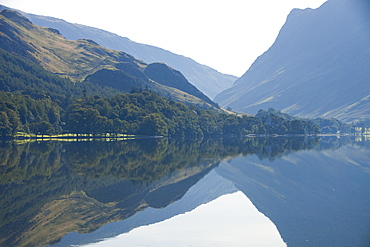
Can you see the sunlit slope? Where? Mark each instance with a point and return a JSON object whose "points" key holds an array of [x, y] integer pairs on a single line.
{"points": [[206, 79], [318, 66], [81, 59]]}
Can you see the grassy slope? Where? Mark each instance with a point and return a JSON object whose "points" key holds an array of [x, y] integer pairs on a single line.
{"points": [[78, 59]]}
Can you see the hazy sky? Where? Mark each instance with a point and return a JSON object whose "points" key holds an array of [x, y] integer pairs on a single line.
{"points": [[225, 35]]}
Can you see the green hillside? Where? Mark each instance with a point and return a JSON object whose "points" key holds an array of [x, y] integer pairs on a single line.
{"points": [[77, 60], [201, 76]]}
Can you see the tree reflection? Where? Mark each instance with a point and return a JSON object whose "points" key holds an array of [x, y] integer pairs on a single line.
{"points": [[80, 186]]}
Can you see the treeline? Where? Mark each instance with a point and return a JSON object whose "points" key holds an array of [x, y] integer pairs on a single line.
{"points": [[140, 113], [147, 113], [277, 122], [35, 101]]}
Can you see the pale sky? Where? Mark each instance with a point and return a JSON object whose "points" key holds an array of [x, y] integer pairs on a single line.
{"points": [[225, 35]]}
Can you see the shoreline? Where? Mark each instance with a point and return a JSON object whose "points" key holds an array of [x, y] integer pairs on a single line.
{"points": [[124, 137]]}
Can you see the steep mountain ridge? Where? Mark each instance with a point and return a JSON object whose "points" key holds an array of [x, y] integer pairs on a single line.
{"points": [[84, 59], [206, 79], [317, 67]]}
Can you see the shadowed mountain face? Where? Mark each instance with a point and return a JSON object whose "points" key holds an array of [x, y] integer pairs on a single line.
{"points": [[85, 60], [318, 66], [206, 79]]}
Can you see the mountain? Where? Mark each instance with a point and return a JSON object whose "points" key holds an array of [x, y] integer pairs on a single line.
{"points": [[317, 67], [206, 79], [85, 61]]}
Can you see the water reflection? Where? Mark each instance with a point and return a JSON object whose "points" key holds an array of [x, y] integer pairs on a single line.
{"points": [[50, 189], [314, 198], [230, 220]]}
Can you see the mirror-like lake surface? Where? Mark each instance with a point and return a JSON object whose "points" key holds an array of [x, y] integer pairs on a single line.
{"points": [[280, 191]]}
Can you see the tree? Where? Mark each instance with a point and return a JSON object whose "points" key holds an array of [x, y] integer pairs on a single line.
{"points": [[154, 125], [119, 126], [297, 127], [5, 125], [83, 121], [42, 128], [13, 119]]}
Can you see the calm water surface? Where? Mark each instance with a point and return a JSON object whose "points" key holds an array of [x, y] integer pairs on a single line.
{"points": [[160, 192]]}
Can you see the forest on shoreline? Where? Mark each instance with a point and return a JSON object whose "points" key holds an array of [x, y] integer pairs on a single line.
{"points": [[35, 101], [144, 113]]}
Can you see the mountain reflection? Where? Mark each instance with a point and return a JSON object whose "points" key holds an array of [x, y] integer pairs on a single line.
{"points": [[315, 198], [49, 189]]}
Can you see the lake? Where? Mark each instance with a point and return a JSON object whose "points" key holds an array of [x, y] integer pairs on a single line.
{"points": [[276, 191]]}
